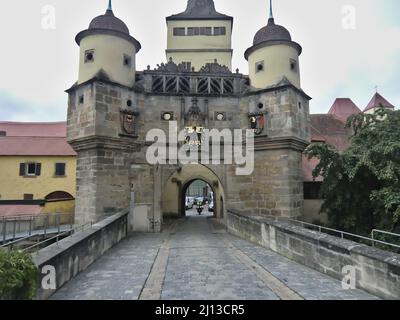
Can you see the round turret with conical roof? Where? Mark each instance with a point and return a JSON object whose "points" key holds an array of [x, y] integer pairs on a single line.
{"points": [[273, 56], [107, 48]]}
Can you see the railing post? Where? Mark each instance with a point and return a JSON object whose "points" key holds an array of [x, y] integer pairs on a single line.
{"points": [[4, 229], [14, 229], [30, 226], [58, 223]]}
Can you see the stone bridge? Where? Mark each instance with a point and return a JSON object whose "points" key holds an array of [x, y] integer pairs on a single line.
{"points": [[195, 258]]}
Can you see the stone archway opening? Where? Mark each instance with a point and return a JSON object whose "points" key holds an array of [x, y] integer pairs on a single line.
{"points": [[175, 190], [198, 199]]}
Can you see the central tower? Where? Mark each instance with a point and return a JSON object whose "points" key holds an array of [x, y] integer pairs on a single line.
{"points": [[200, 35]]}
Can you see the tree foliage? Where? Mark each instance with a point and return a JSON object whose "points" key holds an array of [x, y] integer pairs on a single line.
{"points": [[362, 184], [18, 275]]}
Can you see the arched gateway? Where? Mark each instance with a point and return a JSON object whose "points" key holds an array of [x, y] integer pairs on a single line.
{"points": [[174, 190], [113, 107]]}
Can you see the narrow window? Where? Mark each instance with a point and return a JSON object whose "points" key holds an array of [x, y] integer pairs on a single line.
{"points": [[293, 65], [89, 56], [219, 31], [60, 170], [205, 31], [127, 61], [30, 169], [81, 99], [179, 32], [193, 31], [187, 65]]}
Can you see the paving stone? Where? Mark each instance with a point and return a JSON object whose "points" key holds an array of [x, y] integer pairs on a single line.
{"points": [[201, 265]]}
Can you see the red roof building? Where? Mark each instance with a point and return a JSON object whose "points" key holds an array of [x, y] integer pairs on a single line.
{"points": [[343, 108], [376, 101]]}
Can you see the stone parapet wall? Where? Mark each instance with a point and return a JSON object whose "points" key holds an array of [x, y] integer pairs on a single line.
{"points": [[377, 271], [76, 253]]}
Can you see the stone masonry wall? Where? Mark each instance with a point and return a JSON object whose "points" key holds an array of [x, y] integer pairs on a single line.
{"points": [[376, 271]]}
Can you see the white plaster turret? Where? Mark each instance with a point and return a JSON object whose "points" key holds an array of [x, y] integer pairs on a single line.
{"points": [[107, 48]]}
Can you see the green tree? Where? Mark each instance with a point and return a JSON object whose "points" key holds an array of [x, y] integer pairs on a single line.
{"points": [[18, 275], [361, 188]]}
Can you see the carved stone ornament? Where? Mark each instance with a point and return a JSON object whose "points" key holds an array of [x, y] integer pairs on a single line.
{"points": [[257, 122], [129, 122], [171, 67], [194, 117], [215, 68]]}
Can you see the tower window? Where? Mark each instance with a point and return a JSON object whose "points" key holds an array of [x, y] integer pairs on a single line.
{"points": [[219, 31], [127, 61], [260, 106], [81, 99], [293, 65], [187, 65], [89, 56], [193, 31], [206, 31], [179, 31], [259, 66], [129, 103]]}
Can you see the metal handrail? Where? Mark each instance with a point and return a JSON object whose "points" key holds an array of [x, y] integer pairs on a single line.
{"points": [[12, 243], [57, 237], [44, 218], [30, 217], [343, 233], [383, 232]]}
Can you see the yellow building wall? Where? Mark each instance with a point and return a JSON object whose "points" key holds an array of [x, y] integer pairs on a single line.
{"points": [[108, 55], [205, 43], [276, 60], [66, 208], [13, 186]]}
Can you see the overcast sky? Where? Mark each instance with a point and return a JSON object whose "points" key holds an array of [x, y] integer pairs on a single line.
{"points": [[38, 64]]}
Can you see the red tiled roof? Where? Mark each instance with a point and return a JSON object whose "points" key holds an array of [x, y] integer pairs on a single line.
{"points": [[16, 210], [35, 146], [326, 128], [343, 108], [34, 129], [376, 101]]}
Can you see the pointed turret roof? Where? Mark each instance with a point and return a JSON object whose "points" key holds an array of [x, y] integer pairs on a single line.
{"points": [[343, 108], [272, 34], [108, 23], [200, 10], [378, 100]]}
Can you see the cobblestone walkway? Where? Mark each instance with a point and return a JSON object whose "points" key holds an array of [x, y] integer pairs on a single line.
{"points": [[196, 260]]}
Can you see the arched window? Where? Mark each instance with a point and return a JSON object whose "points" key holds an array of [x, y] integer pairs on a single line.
{"points": [[59, 195]]}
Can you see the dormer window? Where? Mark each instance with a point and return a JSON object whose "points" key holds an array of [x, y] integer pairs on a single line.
{"points": [[89, 56]]}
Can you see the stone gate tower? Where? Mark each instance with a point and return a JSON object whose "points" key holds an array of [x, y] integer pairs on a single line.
{"points": [[113, 106]]}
